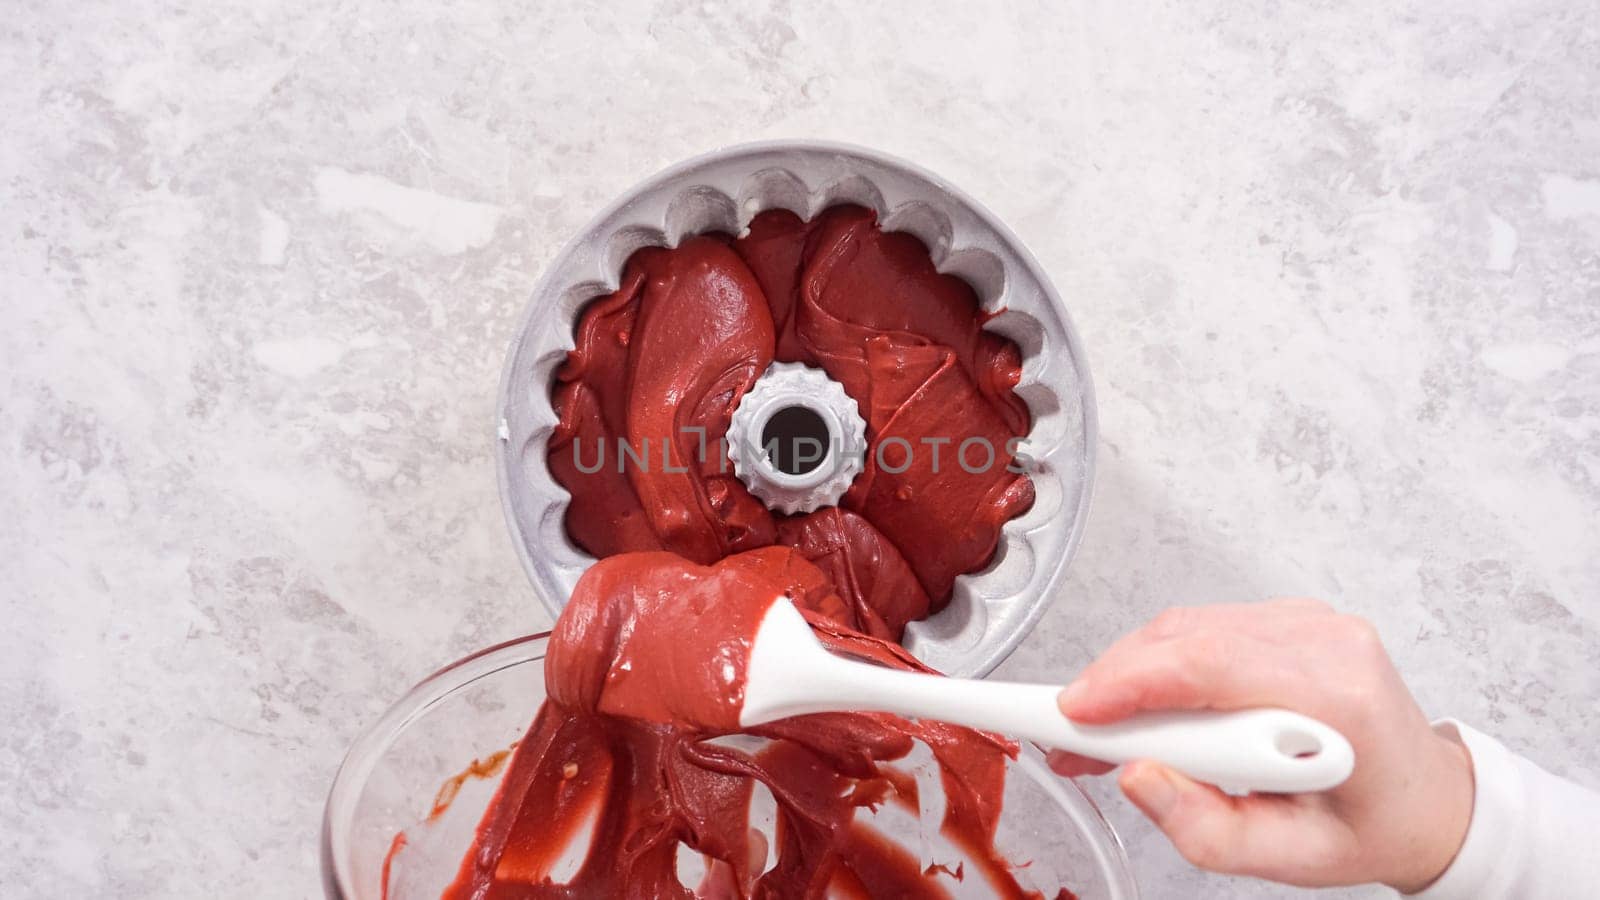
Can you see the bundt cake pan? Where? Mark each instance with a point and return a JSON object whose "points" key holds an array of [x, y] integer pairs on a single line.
{"points": [[991, 610]]}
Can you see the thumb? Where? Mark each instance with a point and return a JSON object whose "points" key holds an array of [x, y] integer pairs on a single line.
{"points": [[1286, 838]]}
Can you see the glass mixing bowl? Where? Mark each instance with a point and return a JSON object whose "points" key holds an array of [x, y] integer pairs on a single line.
{"points": [[414, 785]]}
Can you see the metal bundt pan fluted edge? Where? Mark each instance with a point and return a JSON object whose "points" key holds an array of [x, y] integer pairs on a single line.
{"points": [[991, 610]]}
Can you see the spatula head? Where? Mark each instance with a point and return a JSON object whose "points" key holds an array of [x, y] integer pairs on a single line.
{"points": [[789, 669]]}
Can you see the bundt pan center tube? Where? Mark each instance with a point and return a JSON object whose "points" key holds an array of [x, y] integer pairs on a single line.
{"points": [[990, 610], [796, 439]]}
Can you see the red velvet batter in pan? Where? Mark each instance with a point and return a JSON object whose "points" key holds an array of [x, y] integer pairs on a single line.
{"points": [[662, 362]]}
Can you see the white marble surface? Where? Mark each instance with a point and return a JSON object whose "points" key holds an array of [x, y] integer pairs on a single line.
{"points": [[1336, 267]]}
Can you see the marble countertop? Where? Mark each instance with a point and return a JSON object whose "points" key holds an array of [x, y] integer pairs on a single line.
{"points": [[1337, 269]]}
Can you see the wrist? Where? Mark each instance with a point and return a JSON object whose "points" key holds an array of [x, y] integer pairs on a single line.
{"points": [[1449, 795]]}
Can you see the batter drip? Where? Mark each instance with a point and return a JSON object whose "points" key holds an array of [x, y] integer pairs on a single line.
{"points": [[646, 663]]}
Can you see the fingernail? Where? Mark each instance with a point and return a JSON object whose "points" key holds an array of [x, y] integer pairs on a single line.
{"points": [[1152, 791], [1073, 694]]}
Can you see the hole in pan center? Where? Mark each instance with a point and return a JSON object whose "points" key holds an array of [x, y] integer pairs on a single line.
{"points": [[796, 439]]}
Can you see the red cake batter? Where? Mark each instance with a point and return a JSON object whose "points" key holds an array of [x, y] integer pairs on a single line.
{"points": [[646, 663], [661, 363]]}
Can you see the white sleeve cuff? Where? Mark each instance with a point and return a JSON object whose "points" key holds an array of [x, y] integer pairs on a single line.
{"points": [[1532, 833], [1490, 858]]}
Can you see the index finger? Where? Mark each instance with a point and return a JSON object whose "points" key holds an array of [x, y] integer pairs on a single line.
{"points": [[1263, 619], [1200, 670]]}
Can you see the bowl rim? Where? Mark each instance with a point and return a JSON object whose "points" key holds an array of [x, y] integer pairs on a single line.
{"points": [[991, 656], [359, 761]]}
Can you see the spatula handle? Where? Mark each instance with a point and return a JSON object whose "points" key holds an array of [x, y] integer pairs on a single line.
{"points": [[1266, 750]]}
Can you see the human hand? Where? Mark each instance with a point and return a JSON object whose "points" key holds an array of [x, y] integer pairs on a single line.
{"points": [[1399, 819]]}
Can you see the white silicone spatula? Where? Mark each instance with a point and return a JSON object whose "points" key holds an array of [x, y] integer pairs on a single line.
{"points": [[1268, 750]]}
